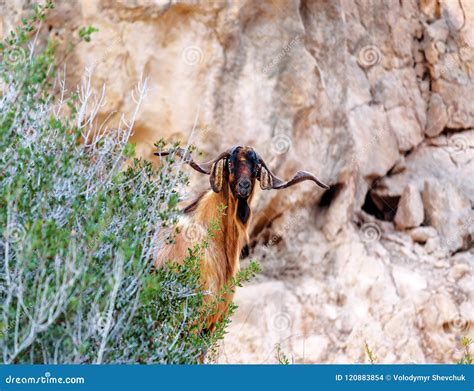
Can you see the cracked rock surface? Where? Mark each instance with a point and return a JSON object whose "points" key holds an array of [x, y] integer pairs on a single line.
{"points": [[374, 98]]}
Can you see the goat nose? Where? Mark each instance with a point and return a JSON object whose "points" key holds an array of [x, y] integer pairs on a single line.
{"points": [[244, 186]]}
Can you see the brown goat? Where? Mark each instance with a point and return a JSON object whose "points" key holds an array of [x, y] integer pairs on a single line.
{"points": [[232, 177]]}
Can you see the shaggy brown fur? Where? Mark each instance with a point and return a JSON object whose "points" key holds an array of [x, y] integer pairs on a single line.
{"points": [[221, 258]]}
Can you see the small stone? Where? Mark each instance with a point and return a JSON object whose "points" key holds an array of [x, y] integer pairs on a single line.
{"points": [[446, 209], [458, 271], [410, 209], [405, 126], [430, 8], [437, 116], [422, 234], [441, 265]]}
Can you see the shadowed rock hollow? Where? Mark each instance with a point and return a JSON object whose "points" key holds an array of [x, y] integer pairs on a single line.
{"points": [[373, 97]]}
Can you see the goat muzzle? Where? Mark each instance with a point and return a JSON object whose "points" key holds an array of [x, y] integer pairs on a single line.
{"points": [[244, 187]]}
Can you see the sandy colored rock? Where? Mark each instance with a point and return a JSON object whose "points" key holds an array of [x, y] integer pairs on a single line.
{"points": [[437, 116], [422, 234], [430, 8], [458, 271], [449, 211], [410, 212]]}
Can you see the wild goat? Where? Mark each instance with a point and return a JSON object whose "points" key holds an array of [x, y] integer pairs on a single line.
{"points": [[232, 177]]}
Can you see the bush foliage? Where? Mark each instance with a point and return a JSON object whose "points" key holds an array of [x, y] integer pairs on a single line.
{"points": [[81, 220]]}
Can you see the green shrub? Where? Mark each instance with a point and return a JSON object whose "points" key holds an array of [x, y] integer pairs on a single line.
{"points": [[79, 232], [466, 343]]}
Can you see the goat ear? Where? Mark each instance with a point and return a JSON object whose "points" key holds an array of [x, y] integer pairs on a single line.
{"points": [[217, 174], [266, 182]]}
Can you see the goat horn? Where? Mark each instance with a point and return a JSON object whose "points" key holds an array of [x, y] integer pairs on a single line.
{"points": [[300, 176], [203, 168], [277, 183]]}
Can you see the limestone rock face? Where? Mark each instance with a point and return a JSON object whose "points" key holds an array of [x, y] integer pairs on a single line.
{"points": [[370, 96]]}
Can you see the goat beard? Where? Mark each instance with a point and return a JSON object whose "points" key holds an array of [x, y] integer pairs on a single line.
{"points": [[243, 210]]}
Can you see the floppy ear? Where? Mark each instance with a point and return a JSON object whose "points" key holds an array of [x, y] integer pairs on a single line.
{"points": [[217, 174], [265, 178]]}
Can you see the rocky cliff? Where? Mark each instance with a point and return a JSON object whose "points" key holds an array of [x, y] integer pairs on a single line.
{"points": [[376, 98]]}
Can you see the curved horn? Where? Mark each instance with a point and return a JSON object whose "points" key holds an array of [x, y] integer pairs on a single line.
{"points": [[185, 155], [268, 180]]}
